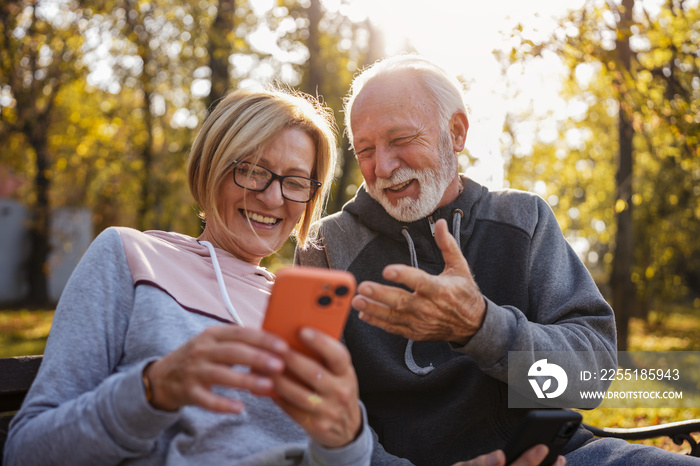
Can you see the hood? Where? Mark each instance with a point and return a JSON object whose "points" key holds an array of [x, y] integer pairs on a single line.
{"points": [[372, 215], [193, 276]]}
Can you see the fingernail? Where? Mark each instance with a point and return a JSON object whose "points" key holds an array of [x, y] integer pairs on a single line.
{"points": [[263, 384], [279, 346], [307, 333], [236, 406], [359, 303], [389, 273], [274, 364], [367, 290], [493, 459]]}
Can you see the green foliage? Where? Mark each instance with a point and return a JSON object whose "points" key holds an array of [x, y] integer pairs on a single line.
{"points": [[333, 49], [661, 96], [123, 86]]}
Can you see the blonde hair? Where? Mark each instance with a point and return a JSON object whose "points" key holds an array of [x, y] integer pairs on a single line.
{"points": [[445, 90], [241, 126]]}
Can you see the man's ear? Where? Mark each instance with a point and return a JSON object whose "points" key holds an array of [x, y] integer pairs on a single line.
{"points": [[459, 125]]}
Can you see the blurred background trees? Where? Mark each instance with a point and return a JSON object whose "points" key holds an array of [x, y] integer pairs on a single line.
{"points": [[100, 100], [623, 171]]}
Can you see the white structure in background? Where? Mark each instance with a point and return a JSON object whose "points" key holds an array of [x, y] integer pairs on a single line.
{"points": [[71, 234], [14, 249]]}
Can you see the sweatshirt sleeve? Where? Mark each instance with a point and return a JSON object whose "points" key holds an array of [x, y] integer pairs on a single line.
{"points": [[79, 410], [380, 457], [356, 453], [567, 311]]}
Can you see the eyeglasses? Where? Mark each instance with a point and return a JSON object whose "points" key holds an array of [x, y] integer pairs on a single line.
{"points": [[258, 179]]}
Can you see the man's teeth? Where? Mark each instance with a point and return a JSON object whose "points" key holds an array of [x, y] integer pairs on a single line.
{"points": [[261, 219], [400, 186]]}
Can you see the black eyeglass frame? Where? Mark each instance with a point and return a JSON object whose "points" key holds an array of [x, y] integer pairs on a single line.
{"points": [[315, 184]]}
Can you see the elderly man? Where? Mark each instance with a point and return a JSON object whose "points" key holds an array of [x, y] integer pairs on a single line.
{"points": [[479, 273]]}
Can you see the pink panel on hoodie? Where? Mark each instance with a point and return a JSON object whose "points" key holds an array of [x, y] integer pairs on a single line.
{"points": [[180, 266]]}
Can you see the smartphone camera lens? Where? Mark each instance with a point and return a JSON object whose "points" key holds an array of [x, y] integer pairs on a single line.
{"points": [[342, 290], [324, 300]]}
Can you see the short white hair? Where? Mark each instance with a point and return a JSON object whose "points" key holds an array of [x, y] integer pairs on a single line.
{"points": [[445, 90]]}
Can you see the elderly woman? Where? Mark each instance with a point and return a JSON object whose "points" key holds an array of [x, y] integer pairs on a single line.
{"points": [[156, 354]]}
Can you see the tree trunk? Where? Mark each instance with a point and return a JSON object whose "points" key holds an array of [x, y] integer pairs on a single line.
{"points": [[339, 195], [623, 290], [146, 198], [37, 269], [219, 48], [315, 64]]}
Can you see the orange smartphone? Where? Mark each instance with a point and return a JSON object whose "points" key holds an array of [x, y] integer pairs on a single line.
{"points": [[309, 297]]}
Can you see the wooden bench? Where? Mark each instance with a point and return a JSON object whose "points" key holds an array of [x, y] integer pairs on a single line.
{"points": [[679, 432], [17, 374]]}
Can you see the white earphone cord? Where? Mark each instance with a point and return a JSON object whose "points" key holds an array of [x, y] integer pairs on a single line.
{"points": [[222, 286]]}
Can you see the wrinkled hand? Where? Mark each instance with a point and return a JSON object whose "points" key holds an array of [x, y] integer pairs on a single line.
{"points": [[321, 395], [532, 457], [186, 375], [446, 307]]}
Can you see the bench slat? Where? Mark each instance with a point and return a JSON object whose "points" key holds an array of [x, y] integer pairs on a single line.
{"points": [[16, 376]]}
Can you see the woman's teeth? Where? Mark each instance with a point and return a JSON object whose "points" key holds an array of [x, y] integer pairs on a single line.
{"points": [[261, 219], [400, 186]]}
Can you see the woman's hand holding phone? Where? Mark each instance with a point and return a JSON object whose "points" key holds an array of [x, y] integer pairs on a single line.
{"points": [[321, 393], [185, 376], [308, 307]]}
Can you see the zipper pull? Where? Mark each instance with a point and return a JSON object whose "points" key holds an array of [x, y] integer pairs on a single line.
{"points": [[432, 224]]}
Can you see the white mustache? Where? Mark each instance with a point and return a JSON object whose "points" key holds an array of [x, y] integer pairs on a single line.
{"points": [[400, 176]]}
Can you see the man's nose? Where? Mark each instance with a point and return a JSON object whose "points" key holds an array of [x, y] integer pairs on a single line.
{"points": [[385, 163]]}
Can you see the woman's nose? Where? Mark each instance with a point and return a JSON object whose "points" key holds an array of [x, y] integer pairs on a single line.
{"points": [[272, 195]]}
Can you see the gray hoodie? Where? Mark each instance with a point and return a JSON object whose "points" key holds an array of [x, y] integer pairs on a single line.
{"points": [[87, 405], [434, 403]]}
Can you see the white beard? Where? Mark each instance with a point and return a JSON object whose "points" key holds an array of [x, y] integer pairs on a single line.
{"points": [[433, 183]]}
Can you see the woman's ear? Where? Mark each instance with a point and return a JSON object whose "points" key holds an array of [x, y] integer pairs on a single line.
{"points": [[459, 125]]}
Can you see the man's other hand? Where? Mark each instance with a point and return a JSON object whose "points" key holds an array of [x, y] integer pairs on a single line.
{"points": [[445, 307], [532, 457]]}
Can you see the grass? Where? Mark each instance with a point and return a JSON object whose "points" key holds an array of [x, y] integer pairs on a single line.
{"points": [[677, 330], [24, 332]]}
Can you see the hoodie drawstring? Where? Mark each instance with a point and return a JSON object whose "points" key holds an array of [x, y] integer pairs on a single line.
{"points": [[411, 247], [408, 354], [457, 226], [222, 286]]}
